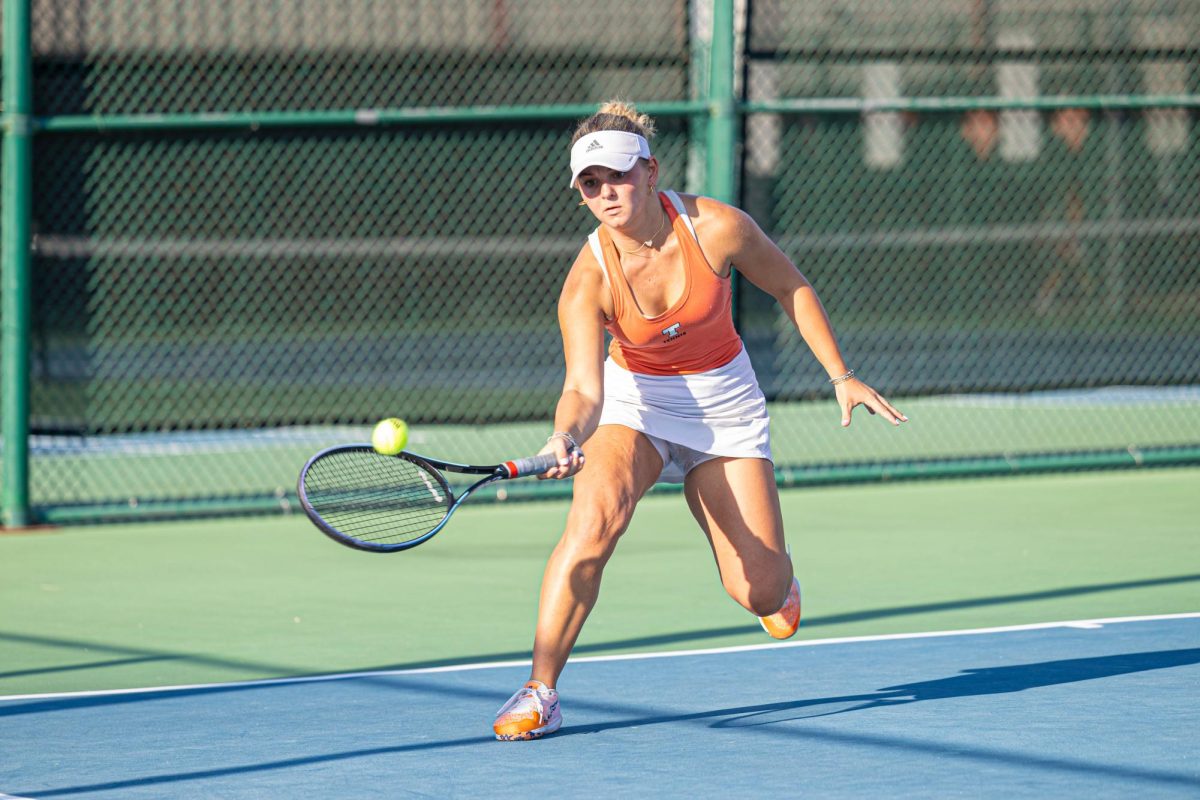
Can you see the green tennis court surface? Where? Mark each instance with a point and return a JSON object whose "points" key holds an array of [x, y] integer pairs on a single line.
{"points": [[196, 602]]}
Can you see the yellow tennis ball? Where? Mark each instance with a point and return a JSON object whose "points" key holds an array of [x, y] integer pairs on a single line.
{"points": [[390, 436]]}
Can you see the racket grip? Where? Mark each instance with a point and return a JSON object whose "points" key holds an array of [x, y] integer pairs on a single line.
{"points": [[533, 465]]}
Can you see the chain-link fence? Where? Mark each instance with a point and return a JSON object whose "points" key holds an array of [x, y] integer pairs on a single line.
{"points": [[259, 227]]}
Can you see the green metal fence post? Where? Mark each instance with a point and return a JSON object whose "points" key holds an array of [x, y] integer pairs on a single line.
{"points": [[720, 172], [16, 198], [722, 124]]}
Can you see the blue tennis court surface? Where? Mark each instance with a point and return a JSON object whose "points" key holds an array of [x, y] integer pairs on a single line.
{"points": [[1105, 708]]}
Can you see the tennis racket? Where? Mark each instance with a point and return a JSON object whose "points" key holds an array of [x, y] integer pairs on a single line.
{"points": [[370, 501]]}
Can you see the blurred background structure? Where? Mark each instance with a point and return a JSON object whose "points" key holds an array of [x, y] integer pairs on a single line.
{"points": [[236, 232]]}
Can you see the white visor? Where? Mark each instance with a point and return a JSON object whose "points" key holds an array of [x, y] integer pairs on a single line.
{"points": [[613, 149]]}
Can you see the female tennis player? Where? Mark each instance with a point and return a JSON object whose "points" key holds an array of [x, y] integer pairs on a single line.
{"points": [[675, 400]]}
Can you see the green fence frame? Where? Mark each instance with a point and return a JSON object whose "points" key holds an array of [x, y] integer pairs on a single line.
{"points": [[717, 117], [17, 194]]}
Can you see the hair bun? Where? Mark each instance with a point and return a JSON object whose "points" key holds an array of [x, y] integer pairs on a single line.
{"points": [[622, 108]]}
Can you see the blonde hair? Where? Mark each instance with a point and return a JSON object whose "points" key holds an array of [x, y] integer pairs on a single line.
{"points": [[616, 115]]}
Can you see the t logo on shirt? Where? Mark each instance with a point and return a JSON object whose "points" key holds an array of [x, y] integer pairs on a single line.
{"points": [[672, 331]]}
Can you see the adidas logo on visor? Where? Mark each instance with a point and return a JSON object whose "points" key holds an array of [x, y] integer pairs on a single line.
{"points": [[595, 145]]}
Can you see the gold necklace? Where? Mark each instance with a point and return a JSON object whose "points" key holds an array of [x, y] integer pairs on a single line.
{"points": [[648, 242]]}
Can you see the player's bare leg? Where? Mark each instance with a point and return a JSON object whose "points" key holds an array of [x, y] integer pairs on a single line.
{"points": [[736, 503], [621, 466]]}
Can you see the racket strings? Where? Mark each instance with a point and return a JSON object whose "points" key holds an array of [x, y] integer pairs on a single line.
{"points": [[377, 499]]}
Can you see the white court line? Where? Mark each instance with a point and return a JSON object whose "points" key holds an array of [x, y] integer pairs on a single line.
{"points": [[343, 676]]}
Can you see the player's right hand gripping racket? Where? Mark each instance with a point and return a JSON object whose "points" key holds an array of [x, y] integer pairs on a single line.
{"points": [[370, 501]]}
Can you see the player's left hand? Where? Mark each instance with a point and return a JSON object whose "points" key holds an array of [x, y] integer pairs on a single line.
{"points": [[853, 393]]}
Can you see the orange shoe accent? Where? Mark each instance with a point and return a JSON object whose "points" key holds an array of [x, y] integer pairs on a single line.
{"points": [[784, 622]]}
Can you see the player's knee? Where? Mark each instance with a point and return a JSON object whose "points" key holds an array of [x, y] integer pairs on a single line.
{"points": [[595, 527], [764, 603], [761, 595]]}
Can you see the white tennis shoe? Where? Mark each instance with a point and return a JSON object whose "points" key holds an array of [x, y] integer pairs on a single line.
{"points": [[531, 713]]}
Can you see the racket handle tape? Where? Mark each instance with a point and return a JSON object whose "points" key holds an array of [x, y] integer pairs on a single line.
{"points": [[533, 465]]}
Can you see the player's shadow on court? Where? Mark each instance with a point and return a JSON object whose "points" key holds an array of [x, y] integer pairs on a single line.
{"points": [[969, 683]]}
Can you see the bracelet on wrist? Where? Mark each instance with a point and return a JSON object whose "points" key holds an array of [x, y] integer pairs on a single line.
{"points": [[574, 445], [842, 378]]}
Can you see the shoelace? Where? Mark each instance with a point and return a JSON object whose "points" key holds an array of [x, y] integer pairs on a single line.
{"points": [[523, 694]]}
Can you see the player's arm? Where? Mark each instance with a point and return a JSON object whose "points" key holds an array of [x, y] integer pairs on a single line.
{"points": [[766, 266], [581, 321], [756, 256]]}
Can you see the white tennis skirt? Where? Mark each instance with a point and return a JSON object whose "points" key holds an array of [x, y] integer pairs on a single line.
{"points": [[691, 418]]}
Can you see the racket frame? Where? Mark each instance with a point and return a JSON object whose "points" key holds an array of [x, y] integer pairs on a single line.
{"points": [[492, 473]]}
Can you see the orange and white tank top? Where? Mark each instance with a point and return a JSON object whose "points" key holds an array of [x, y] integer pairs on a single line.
{"points": [[695, 334]]}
